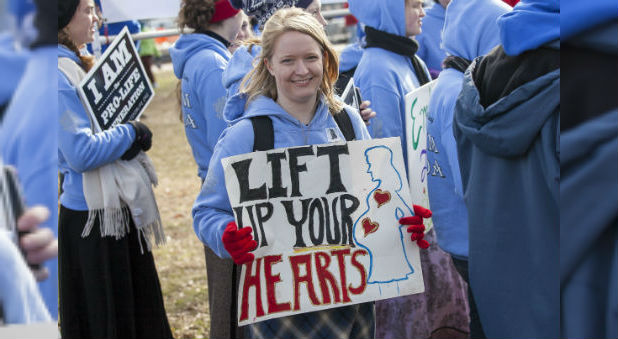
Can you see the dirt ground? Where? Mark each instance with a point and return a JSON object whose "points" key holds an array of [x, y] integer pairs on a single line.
{"points": [[180, 262]]}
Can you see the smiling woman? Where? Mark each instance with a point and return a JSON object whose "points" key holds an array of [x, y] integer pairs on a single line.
{"points": [[292, 88]]}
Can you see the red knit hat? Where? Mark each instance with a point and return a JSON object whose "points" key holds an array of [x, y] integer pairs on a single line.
{"points": [[223, 10]]}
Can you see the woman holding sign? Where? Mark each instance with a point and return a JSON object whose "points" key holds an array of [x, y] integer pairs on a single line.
{"points": [[291, 89], [109, 286]]}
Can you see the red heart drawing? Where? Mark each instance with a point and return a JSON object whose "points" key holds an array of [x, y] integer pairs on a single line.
{"points": [[369, 226], [381, 197]]}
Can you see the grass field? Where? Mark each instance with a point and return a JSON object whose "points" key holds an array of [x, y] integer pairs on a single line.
{"points": [[180, 262]]}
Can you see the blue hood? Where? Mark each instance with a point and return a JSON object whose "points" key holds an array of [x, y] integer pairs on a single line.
{"points": [[500, 134], [531, 24], [470, 27], [578, 16], [239, 65], [188, 45], [350, 56], [385, 15]]}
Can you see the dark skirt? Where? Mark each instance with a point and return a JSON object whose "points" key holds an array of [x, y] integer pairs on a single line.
{"points": [[108, 288]]}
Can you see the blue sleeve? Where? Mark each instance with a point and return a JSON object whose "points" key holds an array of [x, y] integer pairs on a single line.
{"points": [[212, 210], [448, 141], [82, 149], [21, 300], [387, 105]]}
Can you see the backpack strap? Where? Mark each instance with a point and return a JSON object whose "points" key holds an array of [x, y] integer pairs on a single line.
{"points": [[345, 125], [263, 133]]}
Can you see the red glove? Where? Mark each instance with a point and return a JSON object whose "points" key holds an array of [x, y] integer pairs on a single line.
{"points": [[239, 243], [416, 226]]}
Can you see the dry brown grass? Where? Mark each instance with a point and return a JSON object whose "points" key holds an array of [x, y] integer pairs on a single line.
{"points": [[180, 262]]}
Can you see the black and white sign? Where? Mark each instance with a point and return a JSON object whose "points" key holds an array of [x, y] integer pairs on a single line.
{"points": [[117, 89]]}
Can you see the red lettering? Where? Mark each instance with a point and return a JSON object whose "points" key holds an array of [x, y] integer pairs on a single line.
{"points": [[252, 280], [340, 254], [322, 261], [271, 280], [363, 283], [296, 261]]}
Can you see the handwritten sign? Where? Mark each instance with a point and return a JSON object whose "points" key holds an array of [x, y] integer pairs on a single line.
{"points": [[116, 89], [417, 102], [325, 218]]}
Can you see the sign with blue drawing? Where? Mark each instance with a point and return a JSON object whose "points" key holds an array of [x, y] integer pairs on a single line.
{"points": [[326, 220], [417, 103]]}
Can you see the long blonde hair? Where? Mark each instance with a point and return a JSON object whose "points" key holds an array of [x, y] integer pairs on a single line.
{"points": [[260, 82]]}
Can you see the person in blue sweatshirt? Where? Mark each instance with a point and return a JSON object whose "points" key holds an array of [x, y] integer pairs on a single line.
{"points": [[589, 170], [506, 125], [430, 48], [470, 30], [199, 59], [29, 144], [109, 286], [389, 69], [300, 115]]}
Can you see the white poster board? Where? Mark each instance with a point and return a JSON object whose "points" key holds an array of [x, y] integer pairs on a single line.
{"points": [[325, 218], [123, 10], [417, 103], [116, 89]]}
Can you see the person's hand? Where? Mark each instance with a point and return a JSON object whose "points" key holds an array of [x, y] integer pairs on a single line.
{"points": [[415, 225], [142, 142], [239, 243], [38, 244], [366, 112]]}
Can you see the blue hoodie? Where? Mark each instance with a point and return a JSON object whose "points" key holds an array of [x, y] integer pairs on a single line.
{"points": [[531, 24], [508, 157], [384, 77], [429, 48], [239, 65], [470, 30], [589, 172], [577, 16], [79, 150], [212, 210], [199, 61], [29, 144]]}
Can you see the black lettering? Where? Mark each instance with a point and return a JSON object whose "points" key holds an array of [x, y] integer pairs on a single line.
{"points": [[297, 224], [346, 219], [333, 153], [295, 168], [332, 239], [256, 235], [242, 173], [262, 217], [277, 190], [316, 205]]}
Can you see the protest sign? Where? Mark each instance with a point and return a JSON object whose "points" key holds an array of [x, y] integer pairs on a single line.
{"points": [[116, 89], [417, 103], [123, 10], [325, 218]]}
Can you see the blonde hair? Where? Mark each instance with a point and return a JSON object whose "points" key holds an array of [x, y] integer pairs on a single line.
{"points": [[260, 82]]}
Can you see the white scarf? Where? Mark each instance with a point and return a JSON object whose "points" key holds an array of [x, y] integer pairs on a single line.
{"points": [[118, 185]]}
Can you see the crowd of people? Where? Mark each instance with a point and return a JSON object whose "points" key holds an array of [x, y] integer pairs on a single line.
{"points": [[522, 190]]}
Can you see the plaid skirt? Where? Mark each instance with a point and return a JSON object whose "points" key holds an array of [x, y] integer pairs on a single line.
{"points": [[353, 322]]}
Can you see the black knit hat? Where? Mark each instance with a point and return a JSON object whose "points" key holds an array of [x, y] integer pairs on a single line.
{"points": [[262, 10], [66, 9]]}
